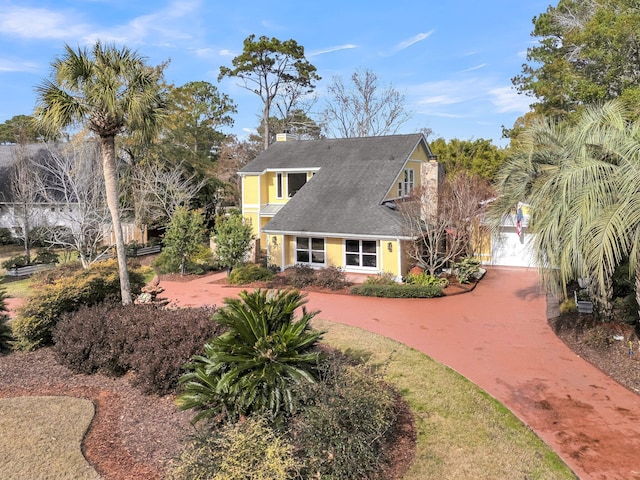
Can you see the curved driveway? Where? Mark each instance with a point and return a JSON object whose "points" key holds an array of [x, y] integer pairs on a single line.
{"points": [[499, 338]]}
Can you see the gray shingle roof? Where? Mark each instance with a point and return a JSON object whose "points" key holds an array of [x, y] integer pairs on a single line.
{"points": [[345, 196]]}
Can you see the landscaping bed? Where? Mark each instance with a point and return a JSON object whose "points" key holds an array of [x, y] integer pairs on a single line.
{"points": [[135, 436], [594, 341]]}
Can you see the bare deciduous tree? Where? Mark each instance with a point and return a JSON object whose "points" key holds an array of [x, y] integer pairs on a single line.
{"points": [[365, 109], [158, 191], [24, 197], [443, 220], [71, 182]]}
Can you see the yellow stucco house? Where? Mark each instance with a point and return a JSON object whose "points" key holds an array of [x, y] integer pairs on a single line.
{"points": [[332, 202]]}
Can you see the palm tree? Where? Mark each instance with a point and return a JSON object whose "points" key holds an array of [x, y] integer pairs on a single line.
{"points": [[109, 91], [253, 367], [581, 182]]}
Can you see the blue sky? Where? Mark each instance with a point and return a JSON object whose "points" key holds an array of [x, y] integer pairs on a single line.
{"points": [[452, 60]]}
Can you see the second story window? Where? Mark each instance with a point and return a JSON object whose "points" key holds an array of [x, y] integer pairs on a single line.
{"points": [[406, 183], [278, 185], [295, 182]]}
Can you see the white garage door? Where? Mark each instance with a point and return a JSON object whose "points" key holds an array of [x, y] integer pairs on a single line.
{"points": [[509, 249]]}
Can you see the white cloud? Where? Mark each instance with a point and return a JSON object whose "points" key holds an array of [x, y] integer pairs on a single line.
{"points": [[439, 100], [508, 100], [412, 41], [162, 26], [477, 67], [16, 66], [40, 23], [348, 46]]}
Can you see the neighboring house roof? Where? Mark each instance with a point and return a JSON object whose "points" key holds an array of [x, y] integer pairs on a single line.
{"points": [[345, 197]]}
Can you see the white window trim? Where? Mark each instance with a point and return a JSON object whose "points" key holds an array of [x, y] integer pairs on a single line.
{"points": [[354, 268], [310, 250]]}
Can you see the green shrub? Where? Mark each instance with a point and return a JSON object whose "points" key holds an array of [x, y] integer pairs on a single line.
{"points": [[199, 261], [398, 291], [246, 450], [425, 280], [466, 269], [32, 327], [6, 236], [342, 424], [5, 330], [114, 339], [248, 274], [332, 278], [16, 261], [568, 306], [166, 262], [132, 247], [626, 308], [253, 367], [300, 276], [45, 256], [384, 278]]}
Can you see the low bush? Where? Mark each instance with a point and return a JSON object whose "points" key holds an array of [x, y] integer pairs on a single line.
{"points": [[568, 306], [45, 256], [597, 337], [201, 260], [245, 450], [16, 261], [5, 330], [332, 278], [398, 291], [92, 339], [300, 276], [383, 278], [626, 308], [340, 429], [6, 236], [248, 274], [425, 280], [113, 339], [32, 328], [466, 269]]}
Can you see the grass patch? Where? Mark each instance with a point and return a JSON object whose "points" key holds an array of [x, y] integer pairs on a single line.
{"points": [[462, 432], [41, 437], [17, 288]]}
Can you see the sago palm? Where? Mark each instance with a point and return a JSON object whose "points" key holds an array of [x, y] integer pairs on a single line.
{"points": [[253, 367], [109, 91]]}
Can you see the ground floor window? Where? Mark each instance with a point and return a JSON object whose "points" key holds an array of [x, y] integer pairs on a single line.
{"points": [[361, 253], [310, 250]]}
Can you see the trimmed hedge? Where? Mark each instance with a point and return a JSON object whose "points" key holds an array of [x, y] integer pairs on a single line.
{"points": [[398, 291], [32, 328]]}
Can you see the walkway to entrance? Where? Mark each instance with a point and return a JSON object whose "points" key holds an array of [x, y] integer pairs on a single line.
{"points": [[499, 338]]}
